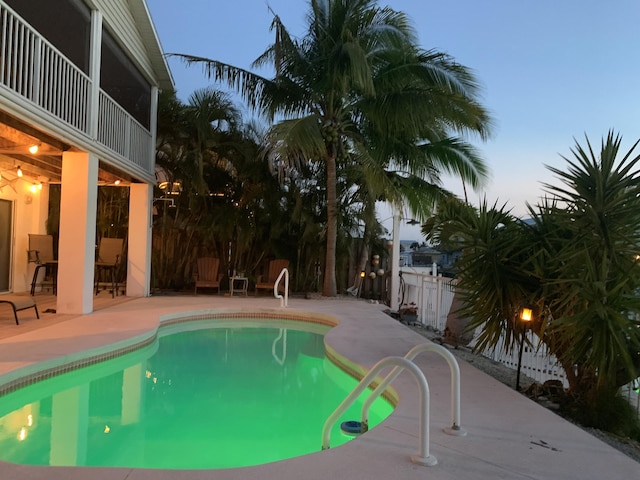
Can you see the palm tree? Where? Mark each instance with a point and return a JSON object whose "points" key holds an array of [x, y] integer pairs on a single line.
{"points": [[358, 83]]}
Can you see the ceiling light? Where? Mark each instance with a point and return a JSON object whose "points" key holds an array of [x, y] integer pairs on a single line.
{"points": [[19, 171], [117, 182], [33, 149]]}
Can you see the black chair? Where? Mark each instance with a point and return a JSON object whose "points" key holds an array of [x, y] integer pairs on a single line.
{"points": [[109, 258]]}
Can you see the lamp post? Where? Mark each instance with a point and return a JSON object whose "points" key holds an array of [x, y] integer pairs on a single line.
{"points": [[525, 315]]}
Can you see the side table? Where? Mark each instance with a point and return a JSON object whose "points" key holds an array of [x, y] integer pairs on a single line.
{"points": [[243, 285]]}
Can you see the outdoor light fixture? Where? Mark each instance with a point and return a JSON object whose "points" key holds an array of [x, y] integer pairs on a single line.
{"points": [[525, 315], [117, 182], [362, 274], [171, 188], [33, 149], [19, 171]]}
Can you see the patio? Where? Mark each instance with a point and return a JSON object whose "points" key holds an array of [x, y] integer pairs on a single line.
{"points": [[508, 435]]}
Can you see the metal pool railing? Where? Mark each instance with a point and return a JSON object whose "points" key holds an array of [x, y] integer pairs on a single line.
{"points": [[400, 364]]}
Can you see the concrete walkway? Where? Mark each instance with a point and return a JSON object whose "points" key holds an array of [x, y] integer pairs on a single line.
{"points": [[508, 436]]}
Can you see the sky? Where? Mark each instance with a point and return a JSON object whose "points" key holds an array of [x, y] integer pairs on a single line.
{"points": [[552, 73]]}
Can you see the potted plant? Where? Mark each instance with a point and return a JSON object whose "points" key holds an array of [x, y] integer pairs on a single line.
{"points": [[409, 313]]}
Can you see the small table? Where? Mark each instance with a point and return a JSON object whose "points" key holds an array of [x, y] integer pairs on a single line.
{"points": [[243, 284]]}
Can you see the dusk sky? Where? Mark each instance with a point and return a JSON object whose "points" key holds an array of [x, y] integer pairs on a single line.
{"points": [[551, 71]]}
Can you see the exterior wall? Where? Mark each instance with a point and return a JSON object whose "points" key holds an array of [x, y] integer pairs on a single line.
{"points": [[119, 19], [29, 216], [128, 23]]}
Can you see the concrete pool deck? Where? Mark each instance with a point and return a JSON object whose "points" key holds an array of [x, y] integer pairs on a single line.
{"points": [[508, 437]]}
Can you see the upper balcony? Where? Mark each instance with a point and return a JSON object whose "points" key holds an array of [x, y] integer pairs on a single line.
{"points": [[37, 77]]}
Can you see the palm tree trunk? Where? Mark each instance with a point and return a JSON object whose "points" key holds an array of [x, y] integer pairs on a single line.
{"points": [[329, 288]]}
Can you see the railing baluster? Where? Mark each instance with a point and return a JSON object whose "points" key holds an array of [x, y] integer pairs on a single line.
{"points": [[34, 69]]}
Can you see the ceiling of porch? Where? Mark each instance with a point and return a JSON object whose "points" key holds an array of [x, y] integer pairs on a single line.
{"points": [[45, 165]]}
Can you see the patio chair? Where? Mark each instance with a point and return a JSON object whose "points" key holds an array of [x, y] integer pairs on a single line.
{"points": [[18, 303], [40, 252], [275, 267], [206, 273], [109, 258]]}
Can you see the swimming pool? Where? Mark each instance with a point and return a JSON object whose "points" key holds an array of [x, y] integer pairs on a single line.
{"points": [[203, 394]]}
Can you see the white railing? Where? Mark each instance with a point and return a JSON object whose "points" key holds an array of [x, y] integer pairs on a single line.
{"points": [[284, 301], [433, 295], [423, 457], [455, 428], [34, 69], [120, 132], [537, 363]]}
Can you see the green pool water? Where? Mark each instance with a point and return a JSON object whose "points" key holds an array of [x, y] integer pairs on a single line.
{"points": [[203, 398]]}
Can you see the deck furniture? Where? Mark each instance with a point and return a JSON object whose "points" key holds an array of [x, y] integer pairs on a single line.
{"points": [[206, 273], [275, 267], [41, 253], [242, 285], [18, 303], [108, 261]]}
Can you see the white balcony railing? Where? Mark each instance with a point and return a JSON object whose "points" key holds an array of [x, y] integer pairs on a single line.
{"points": [[34, 69], [120, 132]]}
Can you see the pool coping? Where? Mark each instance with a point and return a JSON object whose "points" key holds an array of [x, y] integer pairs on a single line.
{"points": [[509, 436]]}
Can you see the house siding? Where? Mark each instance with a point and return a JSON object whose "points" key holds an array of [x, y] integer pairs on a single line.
{"points": [[118, 18]]}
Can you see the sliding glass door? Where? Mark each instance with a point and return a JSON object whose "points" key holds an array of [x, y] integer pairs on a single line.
{"points": [[6, 229]]}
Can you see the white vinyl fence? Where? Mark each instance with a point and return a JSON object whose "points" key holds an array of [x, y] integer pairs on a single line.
{"points": [[433, 296]]}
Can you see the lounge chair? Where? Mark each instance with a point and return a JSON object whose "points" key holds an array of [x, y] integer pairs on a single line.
{"points": [[18, 303], [275, 267], [41, 253], [206, 273], [109, 258]]}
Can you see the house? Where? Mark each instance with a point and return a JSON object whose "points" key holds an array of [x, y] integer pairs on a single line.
{"points": [[79, 81], [422, 256]]}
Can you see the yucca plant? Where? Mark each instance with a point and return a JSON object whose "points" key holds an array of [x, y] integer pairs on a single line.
{"points": [[576, 260]]}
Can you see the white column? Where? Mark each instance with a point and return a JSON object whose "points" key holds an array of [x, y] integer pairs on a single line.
{"points": [[69, 426], [94, 71], [139, 251], [76, 250], [153, 127], [395, 262], [132, 394]]}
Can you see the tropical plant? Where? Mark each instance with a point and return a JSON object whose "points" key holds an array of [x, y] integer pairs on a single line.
{"points": [[576, 260], [229, 204], [356, 89]]}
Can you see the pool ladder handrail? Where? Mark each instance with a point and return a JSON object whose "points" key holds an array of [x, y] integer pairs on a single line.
{"points": [[282, 336], [423, 457], [284, 301], [401, 363], [455, 428]]}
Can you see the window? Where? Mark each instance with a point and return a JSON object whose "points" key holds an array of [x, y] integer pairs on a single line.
{"points": [[64, 23], [123, 82]]}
